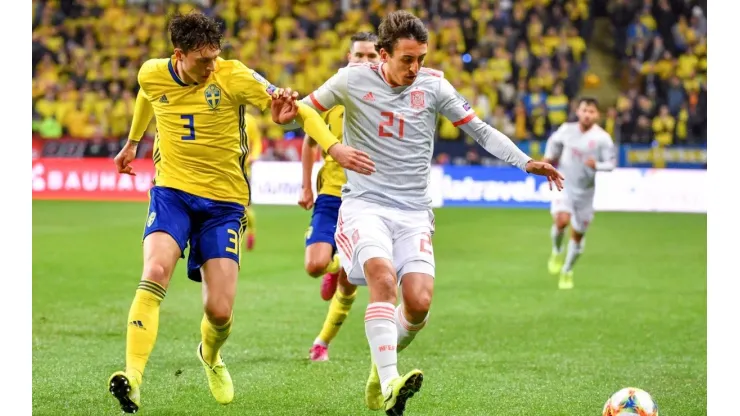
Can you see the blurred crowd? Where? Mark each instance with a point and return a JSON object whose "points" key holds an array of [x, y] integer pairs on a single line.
{"points": [[520, 63], [663, 47]]}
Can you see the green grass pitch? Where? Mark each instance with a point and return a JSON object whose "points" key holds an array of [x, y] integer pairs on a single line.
{"points": [[502, 339]]}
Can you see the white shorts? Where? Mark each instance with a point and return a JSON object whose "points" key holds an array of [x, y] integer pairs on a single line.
{"points": [[581, 211], [367, 230]]}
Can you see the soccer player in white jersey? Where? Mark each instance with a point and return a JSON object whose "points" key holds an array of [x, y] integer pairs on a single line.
{"points": [[385, 226], [580, 149]]}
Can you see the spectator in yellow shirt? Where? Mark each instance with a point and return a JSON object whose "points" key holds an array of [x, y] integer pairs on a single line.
{"points": [[520, 122], [46, 107], [557, 106], [663, 125], [682, 123]]}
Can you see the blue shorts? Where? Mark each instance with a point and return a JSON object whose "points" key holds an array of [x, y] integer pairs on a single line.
{"points": [[324, 220], [213, 228]]}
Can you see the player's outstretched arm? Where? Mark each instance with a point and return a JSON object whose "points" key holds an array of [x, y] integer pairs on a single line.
{"points": [[143, 113], [307, 161], [250, 87], [497, 144], [285, 109], [457, 110]]}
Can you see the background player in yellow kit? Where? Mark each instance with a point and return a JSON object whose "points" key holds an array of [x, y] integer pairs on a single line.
{"points": [[321, 248], [254, 138], [200, 188]]}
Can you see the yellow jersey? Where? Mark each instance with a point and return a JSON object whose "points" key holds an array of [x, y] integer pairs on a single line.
{"points": [[331, 176], [201, 145]]}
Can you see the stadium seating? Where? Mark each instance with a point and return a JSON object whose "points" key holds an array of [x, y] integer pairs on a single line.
{"points": [[663, 51], [519, 63]]}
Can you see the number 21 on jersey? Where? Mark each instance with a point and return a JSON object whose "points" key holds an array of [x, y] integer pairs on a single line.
{"points": [[389, 123]]}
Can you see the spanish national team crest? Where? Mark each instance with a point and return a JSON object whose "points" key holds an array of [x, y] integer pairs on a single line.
{"points": [[417, 99], [213, 96]]}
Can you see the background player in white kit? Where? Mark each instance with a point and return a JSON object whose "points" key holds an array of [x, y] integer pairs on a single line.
{"points": [[579, 149], [385, 222]]}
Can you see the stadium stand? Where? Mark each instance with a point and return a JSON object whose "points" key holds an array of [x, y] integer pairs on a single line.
{"points": [[663, 49], [520, 64]]}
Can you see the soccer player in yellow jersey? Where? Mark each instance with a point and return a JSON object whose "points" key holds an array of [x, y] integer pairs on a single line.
{"points": [[200, 188], [254, 137], [321, 257]]}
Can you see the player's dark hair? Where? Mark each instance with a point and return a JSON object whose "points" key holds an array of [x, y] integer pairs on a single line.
{"points": [[194, 31], [363, 37], [400, 25], [589, 101]]}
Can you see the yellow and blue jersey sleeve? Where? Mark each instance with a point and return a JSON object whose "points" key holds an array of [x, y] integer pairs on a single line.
{"points": [[249, 87], [332, 176]]}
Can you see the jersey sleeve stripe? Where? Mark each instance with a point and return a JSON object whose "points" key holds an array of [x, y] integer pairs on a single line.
{"points": [[244, 147], [316, 103], [174, 75], [464, 120]]}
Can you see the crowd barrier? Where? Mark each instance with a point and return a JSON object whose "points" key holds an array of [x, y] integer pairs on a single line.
{"points": [[279, 183]]}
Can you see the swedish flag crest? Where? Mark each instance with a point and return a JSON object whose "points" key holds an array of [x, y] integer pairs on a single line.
{"points": [[213, 96]]}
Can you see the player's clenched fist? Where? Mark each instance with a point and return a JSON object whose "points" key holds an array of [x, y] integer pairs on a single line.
{"points": [[352, 159], [546, 169], [306, 199], [124, 158], [283, 107]]}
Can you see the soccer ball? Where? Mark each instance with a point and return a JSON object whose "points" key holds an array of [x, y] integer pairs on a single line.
{"points": [[630, 401]]}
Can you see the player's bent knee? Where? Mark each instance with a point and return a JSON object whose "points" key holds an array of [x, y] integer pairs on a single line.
{"points": [[318, 257], [315, 267], [218, 313], [157, 272], [418, 307], [418, 290], [161, 253], [578, 233], [562, 220]]}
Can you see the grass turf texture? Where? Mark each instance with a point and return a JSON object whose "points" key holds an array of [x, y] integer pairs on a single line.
{"points": [[502, 339]]}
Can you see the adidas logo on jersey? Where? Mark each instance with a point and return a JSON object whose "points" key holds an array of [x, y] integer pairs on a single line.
{"points": [[369, 97], [164, 100]]}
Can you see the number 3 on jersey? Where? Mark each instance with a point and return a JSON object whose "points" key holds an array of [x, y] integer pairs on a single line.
{"points": [[189, 125], [390, 120]]}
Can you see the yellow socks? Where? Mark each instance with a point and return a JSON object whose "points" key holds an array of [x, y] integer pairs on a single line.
{"points": [[213, 338], [338, 311], [143, 322], [334, 266]]}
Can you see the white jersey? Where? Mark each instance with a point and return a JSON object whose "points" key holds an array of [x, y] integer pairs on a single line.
{"points": [[396, 126], [571, 148]]}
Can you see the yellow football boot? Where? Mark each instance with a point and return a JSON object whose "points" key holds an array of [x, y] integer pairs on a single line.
{"points": [[555, 264], [566, 280], [126, 390], [400, 390], [219, 379], [373, 393]]}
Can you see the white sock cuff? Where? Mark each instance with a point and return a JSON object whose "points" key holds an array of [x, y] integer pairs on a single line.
{"points": [[380, 310], [406, 324]]}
